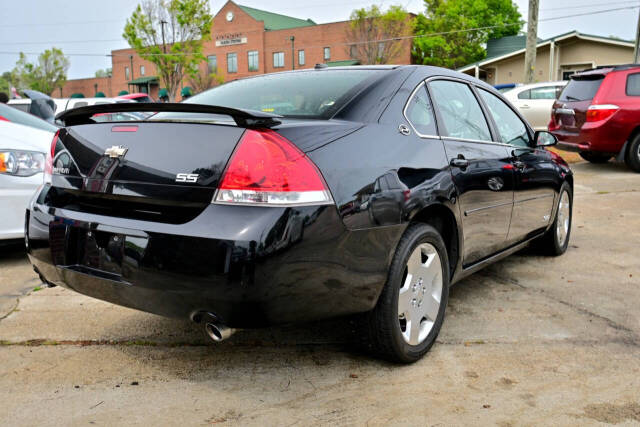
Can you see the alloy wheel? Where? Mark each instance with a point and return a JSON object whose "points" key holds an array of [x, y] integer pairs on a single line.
{"points": [[564, 216], [420, 295]]}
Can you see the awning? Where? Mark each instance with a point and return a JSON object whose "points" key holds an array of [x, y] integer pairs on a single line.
{"points": [[149, 80], [343, 63]]}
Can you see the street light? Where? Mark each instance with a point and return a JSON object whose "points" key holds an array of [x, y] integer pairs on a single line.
{"points": [[293, 59]]}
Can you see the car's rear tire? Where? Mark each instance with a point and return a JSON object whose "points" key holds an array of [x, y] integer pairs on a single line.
{"points": [[632, 158], [409, 314], [596, 158], [556, 239]]}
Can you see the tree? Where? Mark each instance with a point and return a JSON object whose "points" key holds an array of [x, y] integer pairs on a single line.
{"points": [[182, 24], [104, 73], [454, 31], [203, 80], [46, 75], [369, 26]]}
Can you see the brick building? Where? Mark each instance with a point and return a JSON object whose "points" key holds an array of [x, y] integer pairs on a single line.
{"points": [[244, 42]]}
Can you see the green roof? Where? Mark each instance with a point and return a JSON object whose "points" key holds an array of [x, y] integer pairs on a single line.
{"points": [[343, 63], [143, 80], [275, 21]]}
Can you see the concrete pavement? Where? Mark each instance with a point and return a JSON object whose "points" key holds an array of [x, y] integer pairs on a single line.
{"points": [[530, 340]]}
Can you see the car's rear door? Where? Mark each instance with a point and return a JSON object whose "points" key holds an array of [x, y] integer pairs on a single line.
{"points": [[534, 172], [481, 168], [537, 109]]}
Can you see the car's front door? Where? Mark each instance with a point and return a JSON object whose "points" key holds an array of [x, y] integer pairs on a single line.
{"points": [[534, 172], [535, 105], [480, 167]]}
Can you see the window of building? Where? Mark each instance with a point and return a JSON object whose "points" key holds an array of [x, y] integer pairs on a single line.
{"points": [[126, 73], [327, 53], [353, 51], [278, 59], [232, 62], [142, 70], [212, 64], [253, 60], [301, 57]]}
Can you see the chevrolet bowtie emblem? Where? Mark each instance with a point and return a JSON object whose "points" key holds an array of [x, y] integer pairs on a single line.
{"points": [[116, 151]]}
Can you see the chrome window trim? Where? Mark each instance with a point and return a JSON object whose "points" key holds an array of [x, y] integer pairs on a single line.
{"points": [[406, 106], [451, 138]]}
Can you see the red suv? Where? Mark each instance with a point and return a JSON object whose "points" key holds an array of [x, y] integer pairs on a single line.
{"points": [[598, 115]]}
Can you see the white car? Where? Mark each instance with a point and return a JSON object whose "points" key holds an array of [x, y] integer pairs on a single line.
{"points": [[534, 101], [63, 104], [22, 157]]}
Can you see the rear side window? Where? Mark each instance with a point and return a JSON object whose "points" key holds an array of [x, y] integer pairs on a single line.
{"points": [[546, 92], [525, 94], [633, 84], [460, 111], [419, 112], [581, 88], [306, 94]]}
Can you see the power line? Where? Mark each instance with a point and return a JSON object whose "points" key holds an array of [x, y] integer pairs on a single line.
{"points": [[489, 27]]}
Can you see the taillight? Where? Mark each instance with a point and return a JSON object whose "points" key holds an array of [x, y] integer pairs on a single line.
{"points": [[595, 113], [48, 163], [267, 169]]}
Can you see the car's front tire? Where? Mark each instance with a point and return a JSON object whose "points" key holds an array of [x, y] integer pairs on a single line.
{"points": [[596, 158], [556, 239], [409, 314], [632, 157]]}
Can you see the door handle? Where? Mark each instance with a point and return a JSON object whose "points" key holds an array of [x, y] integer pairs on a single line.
{"points": [[459, 162], [525, 106]]}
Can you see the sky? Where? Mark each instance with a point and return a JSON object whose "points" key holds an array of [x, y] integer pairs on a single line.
{"points": [[94, 27]]}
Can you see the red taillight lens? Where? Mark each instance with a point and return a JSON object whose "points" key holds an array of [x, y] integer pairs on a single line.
{"points": [[268, 169], [48, 163], [595, 113]]}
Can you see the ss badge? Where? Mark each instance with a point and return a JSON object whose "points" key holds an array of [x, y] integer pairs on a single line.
{"points": [[187, 177]]}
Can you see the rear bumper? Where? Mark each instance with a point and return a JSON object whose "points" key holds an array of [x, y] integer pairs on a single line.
{"points": [[249, 266], [605, 138]]}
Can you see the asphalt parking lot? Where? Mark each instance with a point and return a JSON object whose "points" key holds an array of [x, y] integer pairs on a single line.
{"points": [[530, 340]]}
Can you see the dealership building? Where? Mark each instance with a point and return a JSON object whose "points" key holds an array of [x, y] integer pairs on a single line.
{"points": [[244, 42]]}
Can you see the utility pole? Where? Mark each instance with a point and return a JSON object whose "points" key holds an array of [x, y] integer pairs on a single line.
{"points": [[293, 57], [131, 62], [162, 24], [532, 41], [636, 51]]}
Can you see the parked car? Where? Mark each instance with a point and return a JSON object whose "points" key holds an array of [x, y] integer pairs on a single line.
{"points": [[64, 104], [137, 97], [36, 103], [22, 159], [217, 211], [505, 87], [598, 115], [535, 101], [13, 115]]}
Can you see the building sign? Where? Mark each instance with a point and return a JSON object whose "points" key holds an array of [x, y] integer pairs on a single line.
{"points": [[230, 39]]}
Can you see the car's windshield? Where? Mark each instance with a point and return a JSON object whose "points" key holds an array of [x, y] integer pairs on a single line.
{"points": [[310, 94], [581, 89], [16, 116]]}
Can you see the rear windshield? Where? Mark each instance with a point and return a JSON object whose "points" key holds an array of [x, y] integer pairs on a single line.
{"points": [[581, 89], [310, 94]]}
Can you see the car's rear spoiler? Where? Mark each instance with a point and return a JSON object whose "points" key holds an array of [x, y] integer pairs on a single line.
{"points": [[243, 118]]}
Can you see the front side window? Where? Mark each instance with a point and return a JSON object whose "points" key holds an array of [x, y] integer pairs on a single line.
{"points": [[419, 112], [253, 60], [212, 64], [327, 53], [461, 114], [278, 59], [232, 62], [301, 57], [511, 129]]}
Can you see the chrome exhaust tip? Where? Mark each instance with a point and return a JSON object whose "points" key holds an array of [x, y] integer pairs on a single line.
{"points": [[217, 331]]}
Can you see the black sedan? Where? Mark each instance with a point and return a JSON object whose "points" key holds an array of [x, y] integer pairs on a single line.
{"points": [[302, 195]]}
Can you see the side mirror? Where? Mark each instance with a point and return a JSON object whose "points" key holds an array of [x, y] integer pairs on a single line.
{"points": [[543, 138]]}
